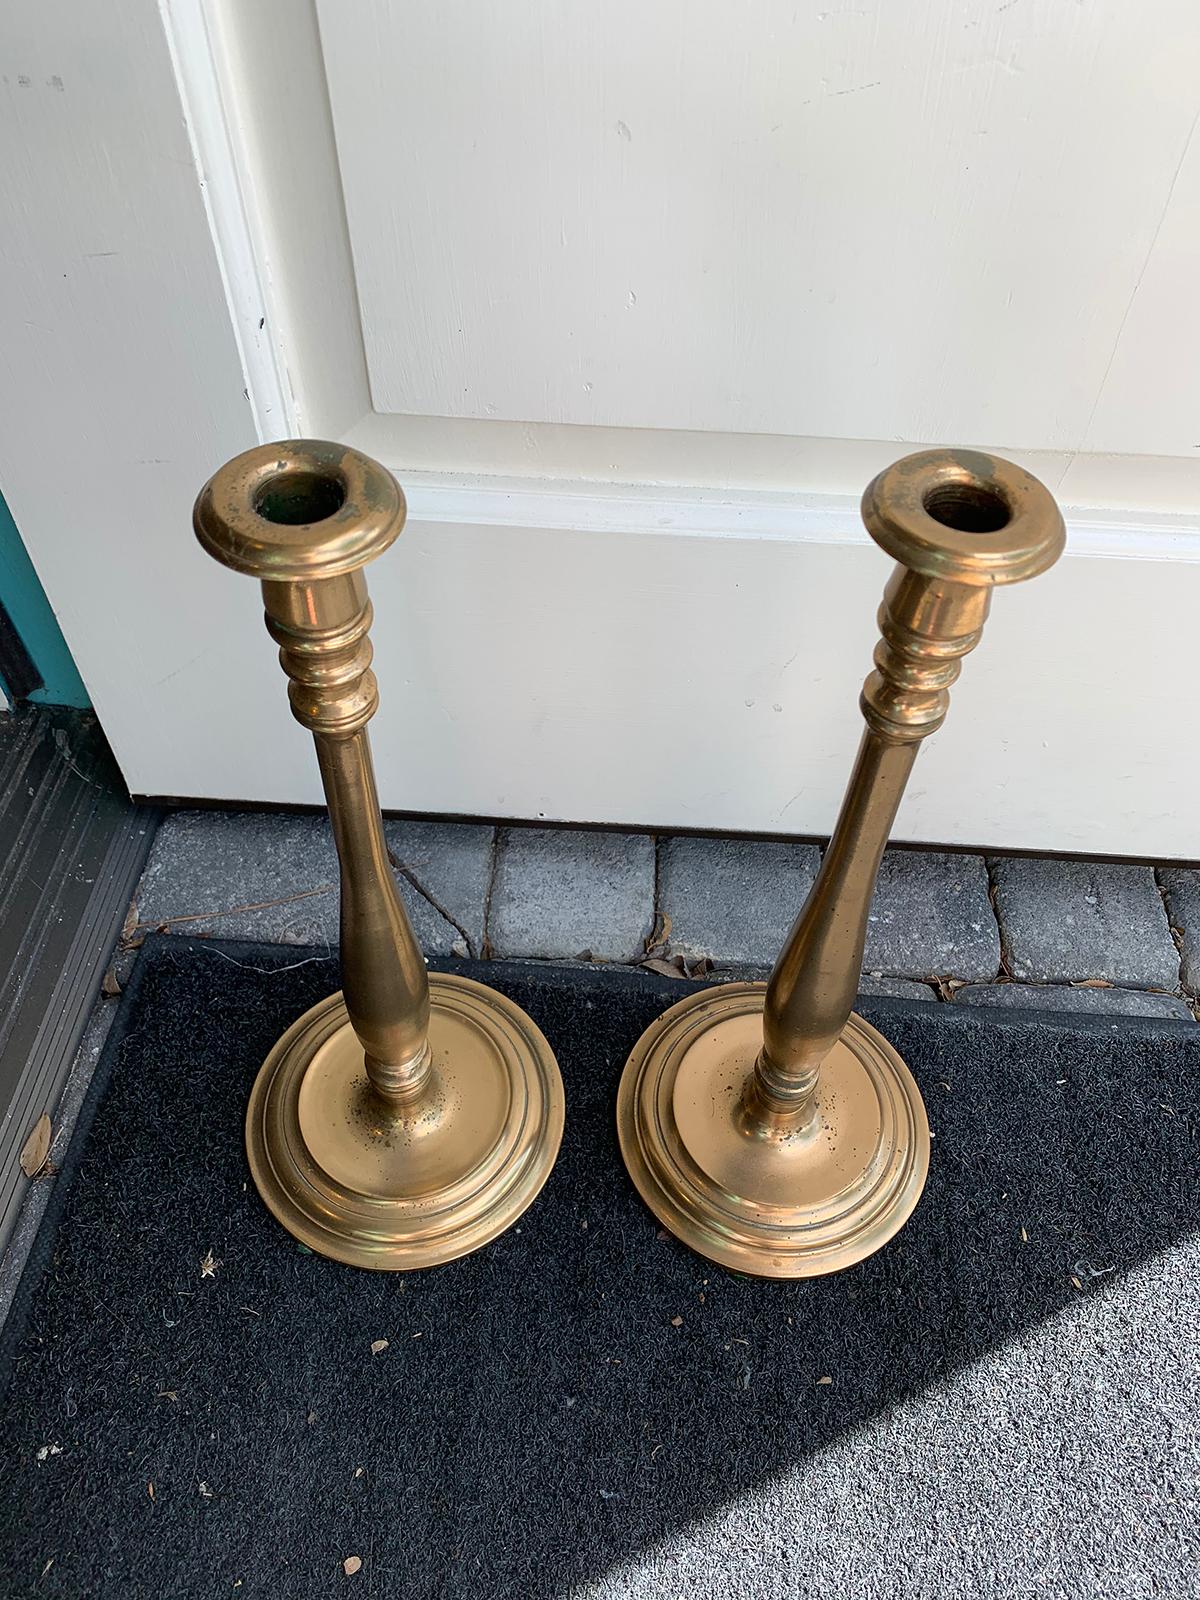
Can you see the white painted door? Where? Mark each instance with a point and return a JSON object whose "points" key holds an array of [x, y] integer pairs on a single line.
{"points": [[634, 299]]}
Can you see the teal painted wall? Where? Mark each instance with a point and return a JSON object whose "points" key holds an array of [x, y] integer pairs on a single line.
{"points": [[25, 601]]}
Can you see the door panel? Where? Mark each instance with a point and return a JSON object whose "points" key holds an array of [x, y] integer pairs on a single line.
{"points": [[633, 588], [885, 222]]}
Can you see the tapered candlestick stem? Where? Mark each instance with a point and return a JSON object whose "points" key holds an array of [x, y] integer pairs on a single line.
{"points": [[815, 980], [383, 974], [321, 628], [927, 626]]}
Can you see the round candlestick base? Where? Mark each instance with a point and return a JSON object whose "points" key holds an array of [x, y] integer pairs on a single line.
{"points": [[398, 1188], [793, 1204]]}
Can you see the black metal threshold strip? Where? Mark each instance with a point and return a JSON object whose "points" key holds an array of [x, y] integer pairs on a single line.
{"points": [[72, 847]]}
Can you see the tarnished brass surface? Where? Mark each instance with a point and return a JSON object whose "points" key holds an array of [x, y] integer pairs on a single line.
{"points": [[774, 1201], [398, 1185], [389, 1127], [772, 1130]]}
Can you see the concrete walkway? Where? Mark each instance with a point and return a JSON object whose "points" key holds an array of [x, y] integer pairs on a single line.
{"points": [[1068, 935]]}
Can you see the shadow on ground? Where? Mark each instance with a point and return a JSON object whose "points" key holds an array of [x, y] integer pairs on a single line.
{"points": [[540, 1413]]}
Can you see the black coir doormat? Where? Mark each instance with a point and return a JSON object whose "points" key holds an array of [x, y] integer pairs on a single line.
{"points": [[193, 1407]]}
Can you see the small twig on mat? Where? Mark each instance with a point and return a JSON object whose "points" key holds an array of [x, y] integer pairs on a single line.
{"points": [[127, 938], [269, 971]]}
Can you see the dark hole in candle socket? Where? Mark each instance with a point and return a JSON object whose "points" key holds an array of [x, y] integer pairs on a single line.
{"points": [[967, 507], [294, 498]]}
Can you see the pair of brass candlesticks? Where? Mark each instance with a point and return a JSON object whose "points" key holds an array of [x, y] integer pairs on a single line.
{"points": [[413, 1117]]}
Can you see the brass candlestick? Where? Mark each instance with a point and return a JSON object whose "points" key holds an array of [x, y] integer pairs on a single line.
{"points": [[766, 1125], [411, 1118]]}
